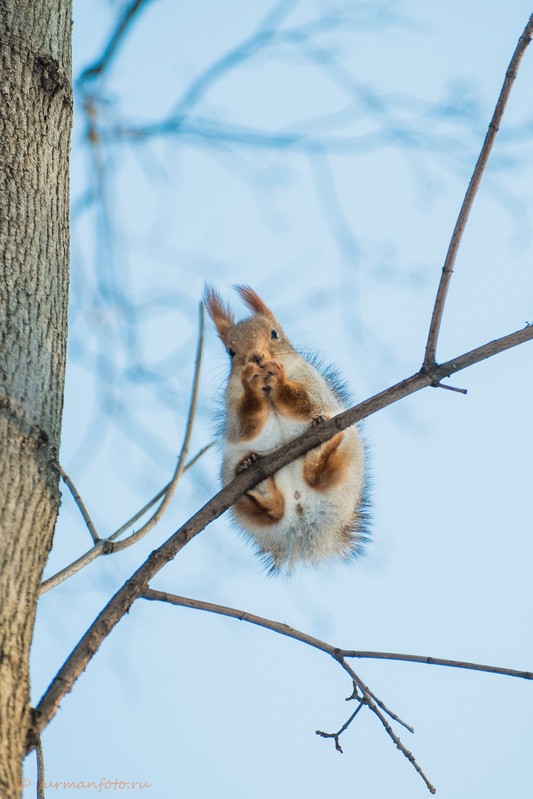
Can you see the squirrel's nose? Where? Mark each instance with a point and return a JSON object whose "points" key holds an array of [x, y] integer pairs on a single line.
{"points": [[255, 357]]}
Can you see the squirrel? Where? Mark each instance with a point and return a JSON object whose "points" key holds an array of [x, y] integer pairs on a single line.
{"points": [[315, 508]]}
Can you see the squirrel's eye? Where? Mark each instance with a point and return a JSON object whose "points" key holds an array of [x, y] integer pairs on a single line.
{"points": [[274, 334], [231, 352]]}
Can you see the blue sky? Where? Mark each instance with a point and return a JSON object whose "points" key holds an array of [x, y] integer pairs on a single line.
{"points": [[347, 249]]}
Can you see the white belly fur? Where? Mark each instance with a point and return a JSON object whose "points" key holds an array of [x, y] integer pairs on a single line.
{"points": [[311, 526]]}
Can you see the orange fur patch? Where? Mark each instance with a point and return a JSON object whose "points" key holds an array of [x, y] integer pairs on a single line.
{"points": [[292, 401], [263, 505], [325, 466], [252, 414]]}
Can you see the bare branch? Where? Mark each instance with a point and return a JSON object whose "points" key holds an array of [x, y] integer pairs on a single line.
{"points": [[340, 655], [282, 629], [40, 768], [73, 568], [241, 615], [265, 34], [510, 75], [137, 584], [336, 735], [159, 494], [373, 703], [100, 547], [111, 49], [335, 652], [367, 697], [451, 388], [108, 546], [180, 466], [81, 505], [390, 713], [409, 755], [454, 664]]}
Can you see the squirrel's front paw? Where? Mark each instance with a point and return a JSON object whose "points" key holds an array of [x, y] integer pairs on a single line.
{"points": [[246, 462], [252, 375], [274, 374]]}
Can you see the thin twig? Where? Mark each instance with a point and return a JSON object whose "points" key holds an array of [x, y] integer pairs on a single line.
{"points": [[454, 664], [100, 547], [399, 745], [275, 626], [241, 615], [340, 656], [373, 703], [367, 696], [72, 568], [266, 33], [450, 388], [81, 505], [337, 735], [40, 768], [115, 40], [109, 545], [116, 546], [391, 714], [137, 584], [438, 309], [159, 494]]}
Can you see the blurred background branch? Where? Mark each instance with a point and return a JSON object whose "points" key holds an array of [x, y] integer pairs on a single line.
{"points": [[125, 288]]}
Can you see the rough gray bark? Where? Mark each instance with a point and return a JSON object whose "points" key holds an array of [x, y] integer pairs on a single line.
{"points": [[35, 124]]}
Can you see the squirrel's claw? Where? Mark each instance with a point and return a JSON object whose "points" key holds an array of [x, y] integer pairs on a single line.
{"points": [[246, 462]]}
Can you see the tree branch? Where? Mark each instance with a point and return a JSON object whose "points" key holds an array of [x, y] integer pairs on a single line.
{"points": [[40, 769], [335, 652], [340, 655], [137, 584], [180, 466], [431, 661], [111, 49], [336, 735], [100, 547], [109, 546], [81, 505], [367, 697], [442, 291]]}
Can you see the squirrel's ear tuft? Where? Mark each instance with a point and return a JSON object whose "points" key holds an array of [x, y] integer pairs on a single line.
{"points": [[253, 300], [219, 312]]}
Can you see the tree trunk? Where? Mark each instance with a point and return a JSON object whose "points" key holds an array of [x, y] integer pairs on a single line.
{"points": [[35, 124]]}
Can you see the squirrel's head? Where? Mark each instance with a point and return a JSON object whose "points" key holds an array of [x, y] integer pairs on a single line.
{"points": [[259, 338]]}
